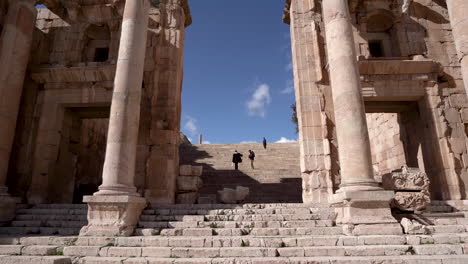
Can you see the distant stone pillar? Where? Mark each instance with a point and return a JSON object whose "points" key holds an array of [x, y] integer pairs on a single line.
{"points": [[200, 139], [458, 10], [15, 47], [359, 201], [116, 207]]}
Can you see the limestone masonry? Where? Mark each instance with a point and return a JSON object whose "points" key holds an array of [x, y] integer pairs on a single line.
{"points": [[94, 169]]}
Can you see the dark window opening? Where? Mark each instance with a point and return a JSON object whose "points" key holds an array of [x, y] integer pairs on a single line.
{"points": [[376, 49], [101, 54]]}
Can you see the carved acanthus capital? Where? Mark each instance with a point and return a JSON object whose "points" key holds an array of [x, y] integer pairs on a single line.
{"points": [[406, 179], [411, 201]]}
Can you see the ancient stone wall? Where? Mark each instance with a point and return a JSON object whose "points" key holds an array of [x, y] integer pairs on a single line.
{"points": [[70, 82], [385, 134], [406, 60]]}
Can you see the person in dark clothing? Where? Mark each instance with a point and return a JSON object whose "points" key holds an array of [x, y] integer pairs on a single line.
{"points": [[236, 159], [251, 157], [264, 143]]}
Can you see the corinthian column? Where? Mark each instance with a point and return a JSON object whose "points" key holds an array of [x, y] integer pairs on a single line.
{"points": [[15, 47], [458, 10], [117, 192], [359, 201]]}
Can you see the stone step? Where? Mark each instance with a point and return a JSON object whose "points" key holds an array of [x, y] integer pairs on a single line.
{"points": [[237, 224], [440, 259], [282, 211], [61, 206], [245, 250], [49, 223], [39, 240], [32, 217], [252, 231], [45, 211], [35, 260], [227, 241], [64, 231], [242, 206]]}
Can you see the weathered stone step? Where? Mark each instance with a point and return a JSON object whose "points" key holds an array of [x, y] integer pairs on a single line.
{"points": [[39, 240], [443, 259], [252, 231], [32, 217], [49, 223], [64, 231], [287, 211], [35, 260], [245, 250], [242, 206], [45, 211], [237, 224], [228, 241], [61, 206]]}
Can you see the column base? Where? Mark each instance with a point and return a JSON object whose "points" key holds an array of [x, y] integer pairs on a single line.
{"points": [[365, 213], [112, 215], [7, 208]]}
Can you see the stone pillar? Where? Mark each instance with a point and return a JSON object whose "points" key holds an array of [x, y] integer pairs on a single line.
{"points": [[163, 163], [307, 58], [116, 207], [459, 20], [362, 206], [200, 139], [15, 47]]}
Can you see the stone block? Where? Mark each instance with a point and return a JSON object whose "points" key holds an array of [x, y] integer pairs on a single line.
{"points": [[39, 250], [91, 251], [111, 215], [197, 171], [411, 201], [185, 170], [242, 193], [227, 196], [7, 209], [413, 227], [405, 179], [188, 183], [187, 198]]}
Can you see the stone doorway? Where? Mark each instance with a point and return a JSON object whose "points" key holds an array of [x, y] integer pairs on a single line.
{"points": [[399, 135], [78, 170]]}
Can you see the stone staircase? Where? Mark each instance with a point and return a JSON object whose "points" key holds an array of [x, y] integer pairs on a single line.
{"points": [[48, 219], [275, 179], [234, 234]]}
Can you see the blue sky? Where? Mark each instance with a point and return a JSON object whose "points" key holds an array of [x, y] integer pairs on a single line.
{"points": [[237, 72]]}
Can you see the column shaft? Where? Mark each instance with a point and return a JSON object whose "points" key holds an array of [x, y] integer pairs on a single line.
{"points": [[458, 10], [15, 48], [351, 127], [119, 164]]}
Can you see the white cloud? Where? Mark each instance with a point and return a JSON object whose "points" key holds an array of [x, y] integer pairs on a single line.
{"points": [[206, 142], [191, 126], [285, 140], [190, 139], [289, 87], [248, 142], [261, 98]]}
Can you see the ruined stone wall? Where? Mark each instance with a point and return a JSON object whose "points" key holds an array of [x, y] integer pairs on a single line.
{"points": [[70, 82], [385, 134], [404, 59]]}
